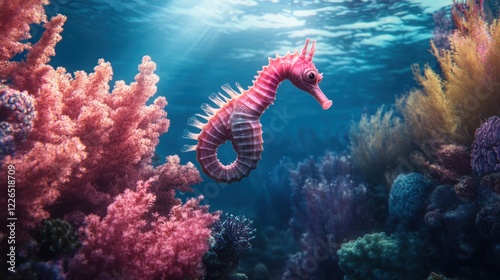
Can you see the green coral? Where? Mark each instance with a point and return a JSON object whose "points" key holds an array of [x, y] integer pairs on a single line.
{"points": [[55, 238], [378, 256]]}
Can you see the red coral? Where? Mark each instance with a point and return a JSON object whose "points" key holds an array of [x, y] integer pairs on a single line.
{"points": [[135, 243]]}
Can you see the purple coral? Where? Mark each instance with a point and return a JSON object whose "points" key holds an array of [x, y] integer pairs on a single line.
{"points": [[443, 28], [16, 118], [466, 188], [329, 205], [231, 238], [486, 147], [433, 219], [488, 221]]}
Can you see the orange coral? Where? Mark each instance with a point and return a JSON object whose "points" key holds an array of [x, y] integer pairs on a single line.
{"points": [[428, 113], [450, 109]]}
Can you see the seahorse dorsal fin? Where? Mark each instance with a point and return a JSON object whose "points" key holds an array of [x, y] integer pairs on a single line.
{"points": [[209, 110], [240, 88], [217, 100], [229, 90], [192, 121], [190, 135]]}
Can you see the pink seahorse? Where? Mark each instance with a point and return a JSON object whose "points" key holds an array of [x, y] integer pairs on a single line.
{"points": [[238, 117]]}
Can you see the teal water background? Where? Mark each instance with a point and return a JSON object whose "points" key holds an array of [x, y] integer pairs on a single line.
{"points": [[364, 48]]}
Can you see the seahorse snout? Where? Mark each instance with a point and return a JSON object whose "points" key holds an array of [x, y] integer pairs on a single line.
{"points": [[318, 94]]}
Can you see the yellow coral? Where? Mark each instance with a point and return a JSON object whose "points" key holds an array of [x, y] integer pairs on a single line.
{"points": [[375, 143], [451, 109], [428, 112], [447, 109]]}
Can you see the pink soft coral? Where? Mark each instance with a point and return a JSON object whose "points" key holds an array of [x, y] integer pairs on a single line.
{"points": [[93, 142], [90, 146], [15, 24], [133, 242]]}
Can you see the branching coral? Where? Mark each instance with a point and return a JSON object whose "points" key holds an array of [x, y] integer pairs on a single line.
{"points": [[15, 25], [449, 109], [89, 146], [428, 113], [231, 238], [375, 143], [135, 243], [85, 139]]}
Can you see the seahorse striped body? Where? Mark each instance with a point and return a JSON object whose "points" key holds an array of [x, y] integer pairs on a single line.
{"points": [[238, 117]]}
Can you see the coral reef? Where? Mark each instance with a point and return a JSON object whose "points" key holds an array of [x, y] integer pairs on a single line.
{"points": [[449, 109], [445, 163], [443, 28], [231, 237], [330, 205], [137, 243], [87, 144], [378, 256], [486, 147], [56, 238], [375, 145], [89, 153], [407, 197], [17, 113], [458, 220], [463, 236]]}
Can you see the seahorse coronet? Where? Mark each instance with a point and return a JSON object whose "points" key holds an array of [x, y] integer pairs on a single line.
{"points": [[236, 117]]}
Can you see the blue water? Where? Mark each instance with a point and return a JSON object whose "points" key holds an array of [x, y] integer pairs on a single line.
{"points": [[364, 48]]}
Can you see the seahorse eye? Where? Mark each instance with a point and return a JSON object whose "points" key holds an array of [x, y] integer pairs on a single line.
{"points": [[310, 76]]}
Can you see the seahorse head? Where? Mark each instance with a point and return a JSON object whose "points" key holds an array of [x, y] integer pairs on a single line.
{"points": [[305, 76]]}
